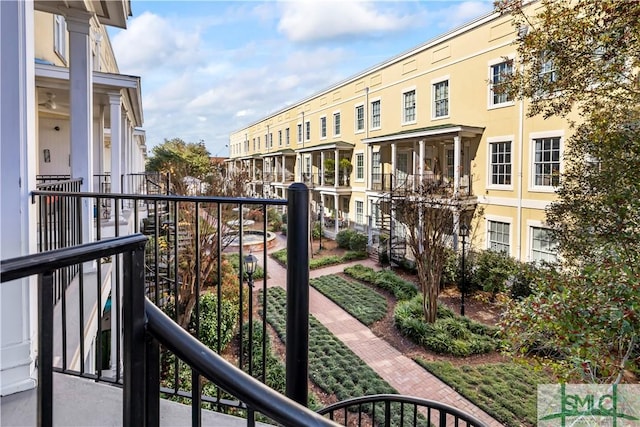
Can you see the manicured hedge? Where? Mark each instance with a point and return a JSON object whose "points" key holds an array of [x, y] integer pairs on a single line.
{"points": [[384, 279]]}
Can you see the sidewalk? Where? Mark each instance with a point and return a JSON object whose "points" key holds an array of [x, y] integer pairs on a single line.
{"points": [[402, 373]]}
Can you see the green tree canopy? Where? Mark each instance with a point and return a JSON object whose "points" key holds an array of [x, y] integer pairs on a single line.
{"points": [[181, 159], [580, 59]]}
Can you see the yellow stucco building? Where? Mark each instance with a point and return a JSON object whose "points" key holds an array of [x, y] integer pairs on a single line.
{"points": [[429, 114]]}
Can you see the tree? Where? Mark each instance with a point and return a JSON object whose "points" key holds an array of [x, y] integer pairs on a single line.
{"points": [[427, 214], [202, 228], [580, 60]]}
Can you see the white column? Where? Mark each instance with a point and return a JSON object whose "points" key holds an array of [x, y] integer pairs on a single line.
{"points": [[124, 185], [336, 172], [321, 180], [116, 141], [253, 169], [421, 160], [81, 100], [284, 168], [98, 149], [370, 163], [393, 164], [456, 165], [336, 209], [17, 214]]}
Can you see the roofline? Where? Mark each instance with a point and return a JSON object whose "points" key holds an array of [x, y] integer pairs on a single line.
{"points": [[472, 130], [426, 45]]}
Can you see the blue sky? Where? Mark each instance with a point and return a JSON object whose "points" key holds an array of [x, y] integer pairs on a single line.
{"points": [[209, 68]]}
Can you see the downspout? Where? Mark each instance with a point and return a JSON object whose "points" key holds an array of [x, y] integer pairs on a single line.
{"points": [[520, 160]]}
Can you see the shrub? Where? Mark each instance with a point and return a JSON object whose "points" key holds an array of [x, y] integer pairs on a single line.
{"points": [[255, 215], [343, 238], [450, 334], [283, 229], [275, 219], [284, 218], [385, 279], [492, 269], [358, 242], [316, 230], [450, 271], [353, 255], [234, 260]]}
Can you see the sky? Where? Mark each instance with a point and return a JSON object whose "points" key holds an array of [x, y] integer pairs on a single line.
{"points": [[209, 68]]}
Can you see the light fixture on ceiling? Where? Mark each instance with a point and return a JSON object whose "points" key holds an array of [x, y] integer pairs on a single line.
{"points": [[50, 103]]}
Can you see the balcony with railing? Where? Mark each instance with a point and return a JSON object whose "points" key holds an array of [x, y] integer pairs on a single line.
{"points": [[134, 315]]}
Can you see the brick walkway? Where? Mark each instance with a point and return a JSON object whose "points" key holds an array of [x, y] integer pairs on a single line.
{"points": [[402, 373]]}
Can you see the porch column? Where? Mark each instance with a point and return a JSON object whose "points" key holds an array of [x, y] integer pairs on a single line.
{"points": [[253, 169], [370, 163], [456, 165], [81, 117], [116, 141], [98, 149], [336, 172], [322, 168], [336, 206], [18, 163], [421, 160], [393, 164]]}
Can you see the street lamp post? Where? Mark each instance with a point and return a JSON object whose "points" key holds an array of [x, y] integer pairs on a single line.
{"points": [[464, 233], [250, 264]]}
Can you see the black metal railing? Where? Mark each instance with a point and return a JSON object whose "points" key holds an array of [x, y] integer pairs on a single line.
{"points": [[58, 226], [398, 410], [146, 183], [45, 265], [381, 181]]}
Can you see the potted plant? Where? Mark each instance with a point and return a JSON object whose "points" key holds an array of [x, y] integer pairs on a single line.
{"points": [[345, 165]]}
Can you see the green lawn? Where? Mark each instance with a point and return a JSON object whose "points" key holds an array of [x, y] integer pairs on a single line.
{"points": [[506, 391], [357, 299]]}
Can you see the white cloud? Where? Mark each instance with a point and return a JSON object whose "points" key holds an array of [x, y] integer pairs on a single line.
{"points": [[461, 13], [318, 20]]}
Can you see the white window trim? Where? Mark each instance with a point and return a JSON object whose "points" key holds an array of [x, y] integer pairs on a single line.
{"points": [[300, 135], [493, 140], [371, 101], [491, 63], [532, 155], [497, 218], [304, 130], [404, 122], [433, 97], [531, 224], [333, 123], [355, 117], [355, 166], [355, 211], [60, 30], [325, 127]]}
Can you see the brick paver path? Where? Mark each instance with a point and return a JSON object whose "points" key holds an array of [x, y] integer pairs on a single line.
{"points": [[402, 373]]}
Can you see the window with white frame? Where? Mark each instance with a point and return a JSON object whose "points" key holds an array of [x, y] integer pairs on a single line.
{"points": [[546, 162], [543, 245], [307, 165], [266, 141], [359, 212], [375, 114], [258, 143], [60, 36], [360, 117], [375, 212], [441, 99], [409, 101], [498, 236], [336, 124], [499, 73], [307, 130], [360, 166], [287, 137], [548, 72], [254, 144], [279, 138], [270, 139], [299, 133], [323, 127], [376, 167], [500, 163]]}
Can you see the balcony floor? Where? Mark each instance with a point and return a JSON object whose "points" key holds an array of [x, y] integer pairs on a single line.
{"points": [[83, 402]]}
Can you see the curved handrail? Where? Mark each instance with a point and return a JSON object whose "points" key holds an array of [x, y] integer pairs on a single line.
{"points": [[397, 398], [251, 391]]}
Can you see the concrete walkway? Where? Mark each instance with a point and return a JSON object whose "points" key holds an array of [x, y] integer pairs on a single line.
{"points": [[401, 372]]}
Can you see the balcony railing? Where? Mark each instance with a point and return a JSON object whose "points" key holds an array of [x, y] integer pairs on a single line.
{"points": [[190, 239], [424, 184]]}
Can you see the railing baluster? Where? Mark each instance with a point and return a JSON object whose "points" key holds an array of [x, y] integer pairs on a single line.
{"points": [[134, 394], [45, 349], [196, 387], [153, 382], [297, 352]]}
